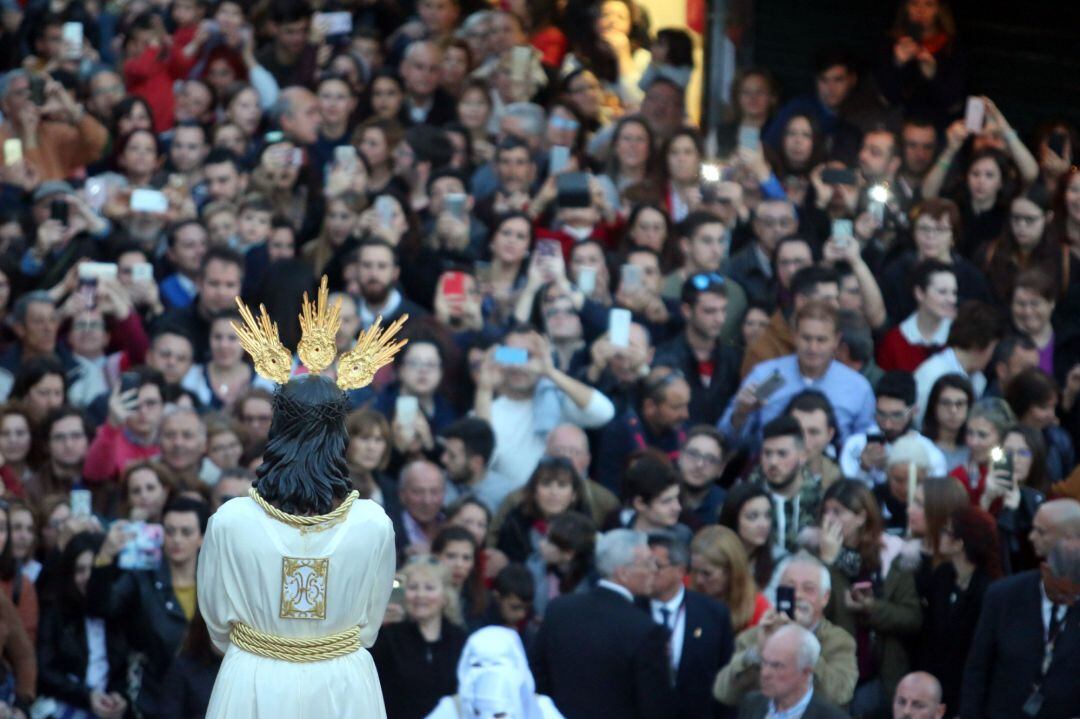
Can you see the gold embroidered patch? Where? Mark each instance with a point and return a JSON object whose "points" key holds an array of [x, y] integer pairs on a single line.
{"points": [[303, 588]]}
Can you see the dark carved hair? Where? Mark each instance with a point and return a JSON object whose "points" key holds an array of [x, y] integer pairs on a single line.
{"points": [[304, 469]]}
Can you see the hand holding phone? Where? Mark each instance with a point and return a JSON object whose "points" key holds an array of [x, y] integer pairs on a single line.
{"points": [[785, 601], [768, 388], [619, 327], [975, 114], [511, 356]]}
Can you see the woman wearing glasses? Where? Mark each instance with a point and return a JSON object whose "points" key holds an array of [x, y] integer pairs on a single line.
{"points": [[1027, 451], [936, 230], [419, 375], [1027, 244]]}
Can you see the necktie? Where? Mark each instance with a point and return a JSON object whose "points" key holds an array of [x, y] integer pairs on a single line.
{"points": [[665, 615], [1057, 623]]}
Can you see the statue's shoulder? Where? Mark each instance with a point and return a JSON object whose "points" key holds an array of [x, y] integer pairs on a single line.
{"points": [[237, 511]]}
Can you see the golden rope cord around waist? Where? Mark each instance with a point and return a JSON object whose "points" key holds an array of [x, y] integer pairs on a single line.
{"points": [[315, 523], [315, 649]]}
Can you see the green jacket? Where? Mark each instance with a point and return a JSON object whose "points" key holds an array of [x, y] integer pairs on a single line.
{"points": [[835, 674], [896, 616]]}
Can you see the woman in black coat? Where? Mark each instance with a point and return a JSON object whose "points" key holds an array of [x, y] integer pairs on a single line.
{"points": [[417, 657], [190, 681], [67, 638], [154, 604], [970, 546]]}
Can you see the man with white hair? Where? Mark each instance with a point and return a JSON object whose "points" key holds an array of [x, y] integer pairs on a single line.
{"points": [[787, 688], [836, 672], [597, 654]]}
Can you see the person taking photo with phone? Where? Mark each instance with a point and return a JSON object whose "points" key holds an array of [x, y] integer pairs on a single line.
{"points": [[806, 585], [874, 595]]}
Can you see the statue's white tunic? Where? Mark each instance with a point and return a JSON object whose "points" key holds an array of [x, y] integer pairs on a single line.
{"points": [[242, 578]]}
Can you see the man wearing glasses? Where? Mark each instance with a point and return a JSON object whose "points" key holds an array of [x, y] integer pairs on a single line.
{"points": [[752, 266], [864, 454], [709, 366]]}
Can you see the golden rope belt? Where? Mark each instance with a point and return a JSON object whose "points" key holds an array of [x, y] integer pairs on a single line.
{"points": [[316, 523], [288, 649]]}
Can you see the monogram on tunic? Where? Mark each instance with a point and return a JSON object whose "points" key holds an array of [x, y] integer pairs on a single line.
{"points": [[303, 587]]}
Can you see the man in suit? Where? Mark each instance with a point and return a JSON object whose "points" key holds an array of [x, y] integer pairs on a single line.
{"points": [[918, 696], [787, 679], [700, 640], [599, 655], [1023, 660], [835, 673]]}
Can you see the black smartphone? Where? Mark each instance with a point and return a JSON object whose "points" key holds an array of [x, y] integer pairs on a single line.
{"points": [[128, 381], [914, 31], [1057, 142], [37, 90], [58, 210], [838, 176], [785, 600], [875, 437], [1000, 460]]}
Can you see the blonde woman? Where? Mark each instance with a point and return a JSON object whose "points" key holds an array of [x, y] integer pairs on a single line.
{"points": [[417, 657], [719, 569]]}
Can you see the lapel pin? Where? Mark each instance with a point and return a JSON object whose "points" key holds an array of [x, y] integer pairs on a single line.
{"points": [[697, 633]]}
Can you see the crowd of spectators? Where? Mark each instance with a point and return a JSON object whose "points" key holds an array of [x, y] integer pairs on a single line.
{"points": [[778, 419]]}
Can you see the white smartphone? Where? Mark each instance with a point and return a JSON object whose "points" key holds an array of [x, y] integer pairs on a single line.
{"points": [[749, 138], [334, 23], [384, 208], [975, 114], [80, 502], [13, 153], [142, 272], [842, 229], [406, 409], [630, 277], [72, 35], [586, 280], [559, 159], [345, 156], [454, 203], [619, 327], [98, 271], [150, 201]]}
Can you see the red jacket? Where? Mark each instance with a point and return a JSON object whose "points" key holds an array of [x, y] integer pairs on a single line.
{"points": [[148, 77], [110, 452]]}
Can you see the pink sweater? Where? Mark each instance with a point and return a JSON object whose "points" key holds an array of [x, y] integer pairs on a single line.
{"points": [[110, 452]]}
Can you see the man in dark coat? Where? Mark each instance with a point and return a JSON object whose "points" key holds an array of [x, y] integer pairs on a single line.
{"points": [[599, 655]]}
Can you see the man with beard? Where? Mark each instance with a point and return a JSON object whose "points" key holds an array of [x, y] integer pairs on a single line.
{"points": [[795, 494], [836, 672], [378, 273], [708, 364], [220, 278], [865, 453], [659, 423]]}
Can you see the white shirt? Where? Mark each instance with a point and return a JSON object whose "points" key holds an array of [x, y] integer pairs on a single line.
{"points": [[518, 447], [909, 330], [617, 588], [1047, 608], [851, 467], [796, 710], [676, 623]]}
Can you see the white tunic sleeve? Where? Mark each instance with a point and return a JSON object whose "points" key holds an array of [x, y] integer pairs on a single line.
{"points": [[213, 597], [384, 560]]}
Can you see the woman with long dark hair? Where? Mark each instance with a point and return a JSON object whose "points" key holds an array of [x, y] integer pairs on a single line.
{"points": [[458, 550], [69, 637], [969, 544], [945, 422], [1028, 243], [191, 677], [1025, 447], [748, 512], [873, 592], [553, 488]]}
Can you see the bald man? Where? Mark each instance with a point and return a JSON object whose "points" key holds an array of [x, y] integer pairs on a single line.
{"points": [[918, 696], [1056, 519], [297, 114], [425, 102]]}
